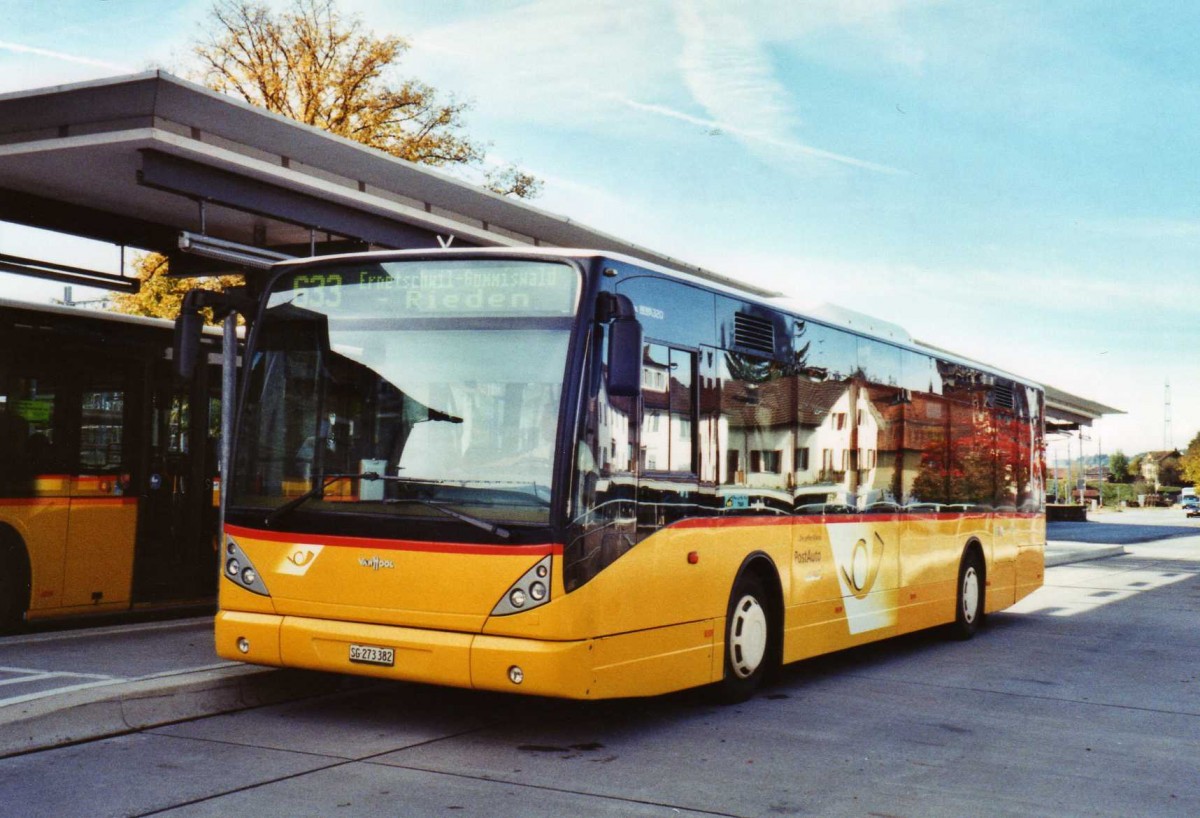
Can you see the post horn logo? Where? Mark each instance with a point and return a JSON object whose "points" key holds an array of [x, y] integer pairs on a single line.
{"points": [[865, 561], [301, 558]]}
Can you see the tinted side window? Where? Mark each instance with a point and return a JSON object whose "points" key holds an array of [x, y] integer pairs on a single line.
{"points": [[668, 409], [757, 439], [823, 353], [825, 388], [878, 450], [32, 433]]}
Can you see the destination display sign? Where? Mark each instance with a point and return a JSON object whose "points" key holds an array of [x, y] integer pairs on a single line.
{"points": [[461, 288]]}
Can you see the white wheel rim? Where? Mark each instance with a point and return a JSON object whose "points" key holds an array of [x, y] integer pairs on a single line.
{"points": [[970, 594], [747, 637]]}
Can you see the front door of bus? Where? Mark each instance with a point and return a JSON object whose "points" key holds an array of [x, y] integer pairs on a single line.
{"points": [[176, 546]]}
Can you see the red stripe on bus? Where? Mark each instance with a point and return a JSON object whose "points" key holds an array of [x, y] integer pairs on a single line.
{"points": [[296, 538], [724, 522], [844, 519], [63, 500]]}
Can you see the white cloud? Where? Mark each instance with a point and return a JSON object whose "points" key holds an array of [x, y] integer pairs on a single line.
{"points": [[726, 70], [548, 60], [725, 67], [708, 63]]}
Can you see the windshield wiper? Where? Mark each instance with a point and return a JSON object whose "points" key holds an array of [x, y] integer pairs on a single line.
{"points": [[319, 491], [491, 528], [434, 414]]}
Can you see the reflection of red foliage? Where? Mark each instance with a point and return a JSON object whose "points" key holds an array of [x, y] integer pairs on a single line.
{"points": [[981, 457]]}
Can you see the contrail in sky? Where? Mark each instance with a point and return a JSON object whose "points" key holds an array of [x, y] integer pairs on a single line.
{"points": [[767, 139], [59, 55]]}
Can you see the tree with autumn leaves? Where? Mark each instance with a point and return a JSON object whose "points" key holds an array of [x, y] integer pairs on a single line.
{"points": [[161, 296], [1189, 463], [316, 65]]}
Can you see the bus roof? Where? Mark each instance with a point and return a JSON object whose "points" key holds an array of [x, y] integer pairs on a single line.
{"points": [[99, 315], [851, 321]]}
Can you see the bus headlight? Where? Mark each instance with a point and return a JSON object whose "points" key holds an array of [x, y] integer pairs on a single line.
{"points": [[240, 571], [530, 591]]}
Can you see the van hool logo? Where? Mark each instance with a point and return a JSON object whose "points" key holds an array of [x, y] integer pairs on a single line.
{"points": [[375, 563]]}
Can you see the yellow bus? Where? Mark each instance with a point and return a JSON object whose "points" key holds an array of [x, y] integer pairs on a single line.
{"points": [[572, 474], [107, 466]]}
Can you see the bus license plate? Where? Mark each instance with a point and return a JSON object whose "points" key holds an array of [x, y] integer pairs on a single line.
{"points": [[370, 655]]}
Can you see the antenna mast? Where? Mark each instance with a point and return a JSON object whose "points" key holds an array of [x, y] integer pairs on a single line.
{"points": [[1167, 436]]}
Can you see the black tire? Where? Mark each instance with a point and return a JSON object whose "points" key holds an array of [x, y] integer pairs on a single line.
{"points": [[14, 587], [749, 640], [970, 599]]}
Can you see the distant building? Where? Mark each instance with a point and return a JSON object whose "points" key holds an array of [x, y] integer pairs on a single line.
{"points": [[1160, 467]]}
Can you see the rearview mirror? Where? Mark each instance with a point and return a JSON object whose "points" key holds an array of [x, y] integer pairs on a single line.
{"points": [[625, 357], [186, 350]]}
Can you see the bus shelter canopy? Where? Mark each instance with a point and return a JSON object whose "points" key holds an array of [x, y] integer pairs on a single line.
{"points": [[135, 160]]}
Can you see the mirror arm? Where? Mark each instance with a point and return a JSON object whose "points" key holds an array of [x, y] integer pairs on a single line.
{"points": [[610, 306]]}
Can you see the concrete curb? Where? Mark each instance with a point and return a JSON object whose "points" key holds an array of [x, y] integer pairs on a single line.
{"points": [[1068, 553], [113, 710]]}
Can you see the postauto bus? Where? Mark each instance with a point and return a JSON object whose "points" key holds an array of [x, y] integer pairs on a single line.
{"points": [[574, 474], [107, 466]]}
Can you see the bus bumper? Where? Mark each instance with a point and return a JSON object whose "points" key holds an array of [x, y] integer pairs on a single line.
{"points": [[428, 656]]}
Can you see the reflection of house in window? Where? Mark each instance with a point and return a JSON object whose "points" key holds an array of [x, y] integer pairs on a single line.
{"points": [[763, 461], [670, 396], [654, 379], [867, 460], [802, 459], [831, 470], [733, 465]]}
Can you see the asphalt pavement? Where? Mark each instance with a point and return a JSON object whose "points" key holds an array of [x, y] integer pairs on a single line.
{"points": [[68, 686]]}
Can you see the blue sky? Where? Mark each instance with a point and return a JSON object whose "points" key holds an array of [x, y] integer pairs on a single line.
{"points": [[1014, 181]]}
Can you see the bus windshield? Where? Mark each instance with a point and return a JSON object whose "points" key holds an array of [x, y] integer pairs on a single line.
{"points": [[407, 388]]}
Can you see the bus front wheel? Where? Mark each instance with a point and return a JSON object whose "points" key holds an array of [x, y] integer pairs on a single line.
{"points": [[14, 585], [747, 640]]}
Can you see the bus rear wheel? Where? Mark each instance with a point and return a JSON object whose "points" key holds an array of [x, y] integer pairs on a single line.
{"points": [[970, 598], [748, 640]]}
